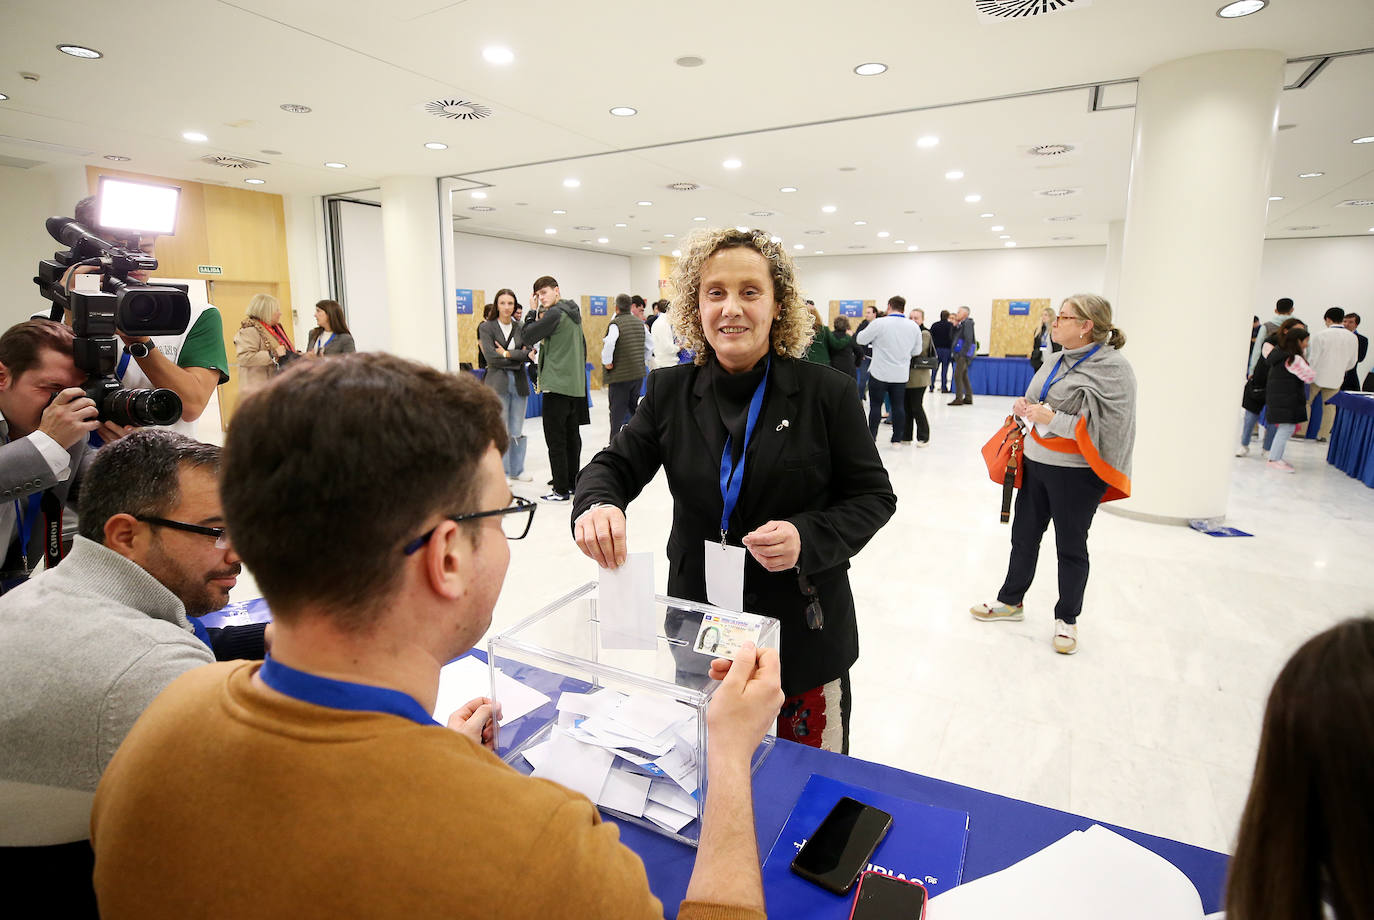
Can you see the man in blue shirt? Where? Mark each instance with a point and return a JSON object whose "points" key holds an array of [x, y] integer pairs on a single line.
{"points": [[894, 341]]}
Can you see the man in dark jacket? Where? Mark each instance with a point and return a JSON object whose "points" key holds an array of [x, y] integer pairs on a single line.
{"points": [[941, 334], [563, 381]]}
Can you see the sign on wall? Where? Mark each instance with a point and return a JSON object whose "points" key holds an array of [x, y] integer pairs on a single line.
{"points": [[209, 269], [852, 308], [597, 305], [1018, 308], [463, 296]]}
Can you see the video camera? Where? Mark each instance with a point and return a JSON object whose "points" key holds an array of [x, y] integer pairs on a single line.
{"points": [[119, 306]]}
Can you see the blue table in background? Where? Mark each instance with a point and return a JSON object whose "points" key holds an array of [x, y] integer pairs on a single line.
{"points": [[1000, 376], [1352, 436], [534, 406]]}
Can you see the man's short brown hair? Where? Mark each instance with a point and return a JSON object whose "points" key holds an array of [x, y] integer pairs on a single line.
{"points": [[22, 345], [546, 281], [335, 465]]}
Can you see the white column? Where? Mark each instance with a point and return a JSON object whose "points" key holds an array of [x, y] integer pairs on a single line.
{"points": [[1111, 275], [411, 235], [306, 262], [1195, 214]]}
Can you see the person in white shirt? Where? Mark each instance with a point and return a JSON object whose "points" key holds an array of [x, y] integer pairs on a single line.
{"points": [[894, 342], [665, 342], [1333, 351]]}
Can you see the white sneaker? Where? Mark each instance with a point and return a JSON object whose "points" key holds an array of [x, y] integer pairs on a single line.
{"points": [[1065, 637], [998, 611], [1243, 451], [523, 477]]}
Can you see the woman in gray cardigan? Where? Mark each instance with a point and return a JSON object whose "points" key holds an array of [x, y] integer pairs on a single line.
{"points": [[330, 335], [504, 348]]}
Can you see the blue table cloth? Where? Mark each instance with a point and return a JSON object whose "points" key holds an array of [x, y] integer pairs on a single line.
{"points": [[534, 406], [1000, 376], [1352, 436]]}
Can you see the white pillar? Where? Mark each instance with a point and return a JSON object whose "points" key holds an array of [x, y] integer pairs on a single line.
{"points": [[306, 261], [1111, 275], [1195, 214], [411, 236]]}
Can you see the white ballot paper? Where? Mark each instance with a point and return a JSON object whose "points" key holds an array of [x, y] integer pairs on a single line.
{"points": [[725, 575], [1086, 875], [625, 792], [581, 767], [468, 678], [625, 604]]}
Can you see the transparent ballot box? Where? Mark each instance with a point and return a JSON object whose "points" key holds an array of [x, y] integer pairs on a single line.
{"points": [[625, 726]]}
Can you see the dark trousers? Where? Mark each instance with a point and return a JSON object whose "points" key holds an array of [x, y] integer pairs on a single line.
{"points": [[624, 399], [962, 389], [916, 413], [1068, 496], [562, 414], [944, 355], [877, 390]]}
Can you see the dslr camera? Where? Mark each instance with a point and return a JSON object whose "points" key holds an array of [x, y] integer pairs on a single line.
{"points": [[119, 306]]}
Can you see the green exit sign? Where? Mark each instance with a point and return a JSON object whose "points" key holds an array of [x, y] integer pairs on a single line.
{"points": [[210, 269]]}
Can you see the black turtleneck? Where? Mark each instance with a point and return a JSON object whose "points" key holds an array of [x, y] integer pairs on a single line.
{"points": [[732, 393]]}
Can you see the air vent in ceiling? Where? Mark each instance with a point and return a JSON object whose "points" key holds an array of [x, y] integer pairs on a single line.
{"points": [[858, 247], [1049, 150], [1060, 218], [813, 232], [481, 208], [1356, 203], [457, 109], [1061, 238], [1058, 192], [1020, 9], [760, 213], [231, 162], [684, 186], [295, 108], [583, 227]]}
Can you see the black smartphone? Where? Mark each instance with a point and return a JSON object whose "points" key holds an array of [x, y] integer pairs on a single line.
{"points": [[840, 848], [882, 897]]}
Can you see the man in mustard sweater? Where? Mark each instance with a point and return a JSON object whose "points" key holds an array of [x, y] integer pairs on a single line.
{"points": [[316, 784]]}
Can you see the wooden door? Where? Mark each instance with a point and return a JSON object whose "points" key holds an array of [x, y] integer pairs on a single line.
{"points": [[233, 298]]}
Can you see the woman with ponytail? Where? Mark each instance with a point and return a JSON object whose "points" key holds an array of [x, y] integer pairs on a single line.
{"points": [[1284, 404]]}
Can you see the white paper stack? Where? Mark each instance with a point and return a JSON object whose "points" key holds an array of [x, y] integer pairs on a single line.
{"points": [[469, 678], [634, 753], [1085, 876]]}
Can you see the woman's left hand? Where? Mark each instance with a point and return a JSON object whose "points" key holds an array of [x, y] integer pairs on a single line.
{"points": [[1040, 414], [776, 545]]}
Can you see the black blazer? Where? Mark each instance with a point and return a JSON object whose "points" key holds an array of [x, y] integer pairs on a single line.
{"points": [[820, 471], [1036, 357], [502, 371]]}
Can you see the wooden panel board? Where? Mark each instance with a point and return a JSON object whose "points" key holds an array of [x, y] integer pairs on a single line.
{"points": [[1011, 335], [594, 329], [467, 328]]}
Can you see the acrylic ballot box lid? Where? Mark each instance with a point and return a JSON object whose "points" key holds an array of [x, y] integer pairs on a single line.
{"points": [[565, 648]]}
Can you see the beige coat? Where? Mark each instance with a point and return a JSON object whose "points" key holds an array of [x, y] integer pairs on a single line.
{"points": [[920, 376], [256, 350]]}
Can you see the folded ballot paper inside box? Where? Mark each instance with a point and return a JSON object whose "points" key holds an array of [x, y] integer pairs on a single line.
{"points": [[625, 724]]}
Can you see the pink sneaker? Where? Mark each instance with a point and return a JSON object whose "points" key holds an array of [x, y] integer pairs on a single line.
{"points": [[1283, 466]]}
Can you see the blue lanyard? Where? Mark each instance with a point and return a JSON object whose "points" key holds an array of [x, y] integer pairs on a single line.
{"points": [[320, 346], [25, 520], [123, 366], [339, 694], [732, 476], [1050, 381]]}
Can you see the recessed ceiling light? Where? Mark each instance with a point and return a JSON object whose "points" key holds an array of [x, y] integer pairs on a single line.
{"points": [[899, 242], [819, 252], [646, 247], [256, 181], [1241, 8], [622, 225], [973, 199], [337, 165], [798, 245], [295, 108], [694, 218], [195, 136], [116, 158], [775, 239], [677, 253], [689, 60], [479, 195], [1371, 229], [644, 204], [498, 54], [954, 174], [583, 227], [1009, 244], [603, 239], [1275, 197], [732, 163], [828, 209], [1367, 139], [997, 228], [929, 140], [435, 145], [760, 213], [788, 188], [559, 211], [623, 111], [912, 248], [883, 234], [1310, 175], [742, 229], [3, 97], [550, 230], [80, 51], [987, 214], [271, 153], [670, 236], [571, 183], [871, 69], [849, 169], [860, 223], [481, 208], [1004, 236]]}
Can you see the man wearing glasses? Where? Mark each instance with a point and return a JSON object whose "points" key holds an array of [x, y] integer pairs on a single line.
{"points": [[85, 647], [324, 787]]}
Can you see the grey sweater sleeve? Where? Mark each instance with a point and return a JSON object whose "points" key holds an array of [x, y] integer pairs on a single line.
{"points": [[144, 678]]}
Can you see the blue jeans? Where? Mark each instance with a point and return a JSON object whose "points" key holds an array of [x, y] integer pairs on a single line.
{"points": [[863, 375], [944, 355], [513, 410], [1248, 425], [1285, 431], [878, 390]]}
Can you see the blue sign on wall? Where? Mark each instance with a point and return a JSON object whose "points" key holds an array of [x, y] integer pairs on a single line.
{"points": [[598, 305], [1019, 308], [464, 299], [853, 308]]}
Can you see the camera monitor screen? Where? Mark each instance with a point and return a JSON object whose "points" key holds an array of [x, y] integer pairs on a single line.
{"points": [[143, 207]]}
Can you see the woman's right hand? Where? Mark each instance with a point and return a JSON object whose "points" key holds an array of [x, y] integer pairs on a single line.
{"points": [[1020, 407], [600, 534], [279, 350]]}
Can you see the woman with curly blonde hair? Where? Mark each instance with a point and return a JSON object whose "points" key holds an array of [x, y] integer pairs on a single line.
{"points": [[773, 476]]}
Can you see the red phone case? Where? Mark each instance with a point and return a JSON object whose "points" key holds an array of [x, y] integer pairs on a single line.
{"points": [[858, 890]]}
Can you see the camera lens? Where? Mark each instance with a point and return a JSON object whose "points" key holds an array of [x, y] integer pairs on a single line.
{"points": [[142, 407]]}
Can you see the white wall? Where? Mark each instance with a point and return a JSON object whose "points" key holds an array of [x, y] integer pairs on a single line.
{"points": [[1317, 274], [489, 264], [363, 257], [644, 277], [28, 197]]}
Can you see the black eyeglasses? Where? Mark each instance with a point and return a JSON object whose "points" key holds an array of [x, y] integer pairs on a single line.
{"points": [[516, 519], [221, 537]]}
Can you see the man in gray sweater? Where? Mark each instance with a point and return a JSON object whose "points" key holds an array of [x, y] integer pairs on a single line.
{"points": [[85, 647]]}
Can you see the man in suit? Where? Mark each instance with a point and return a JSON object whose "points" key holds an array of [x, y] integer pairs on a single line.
{"points": [[45, 418], [965, 344], [1352, 380]]}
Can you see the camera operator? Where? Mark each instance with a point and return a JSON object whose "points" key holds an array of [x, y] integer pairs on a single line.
{"points": [[192, 364]]}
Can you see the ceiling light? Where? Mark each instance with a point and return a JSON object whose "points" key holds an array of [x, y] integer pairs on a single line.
{"points": [[819, 252], [732, 163], [929, 140], [646, 247], [987, 214], [798, 245], [571, 183], [871, 69], [603, 239], [256, 181], [814, 232], [694, 218], [912, 248], [497, 54], [670, 236], [849, 169], [114, 157], [435, 145], [479, 195], [483, 208], [644, 204], [954, 174], [775, 239], [899, 242], [559, 211], [585, 227], [550, 230], [295, 108], [622, 225], [1241, 8], [1311, 175], [195, 136], [677, 253], [997, 228], [742, 229], [788, 188], [689, 60], [883, 234], [1009, 244], [1367, 139], [973, 199], [860, 223], [80, 51], [271, 153], [828, 209], [1004, 236], [3, 97], [337, 165], [623, 111], [1275, 197], [760, 213]]}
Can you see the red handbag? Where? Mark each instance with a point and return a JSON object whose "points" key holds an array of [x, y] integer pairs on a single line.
{"points": [[1002, 453]]}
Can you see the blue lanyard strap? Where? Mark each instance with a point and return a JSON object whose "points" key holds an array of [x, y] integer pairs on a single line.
{"points": [[340, 694], [1051, 381], [732, 475], [123, 366]]}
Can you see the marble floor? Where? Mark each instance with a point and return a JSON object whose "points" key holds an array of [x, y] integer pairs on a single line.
{"points": [[1153, 725]]}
